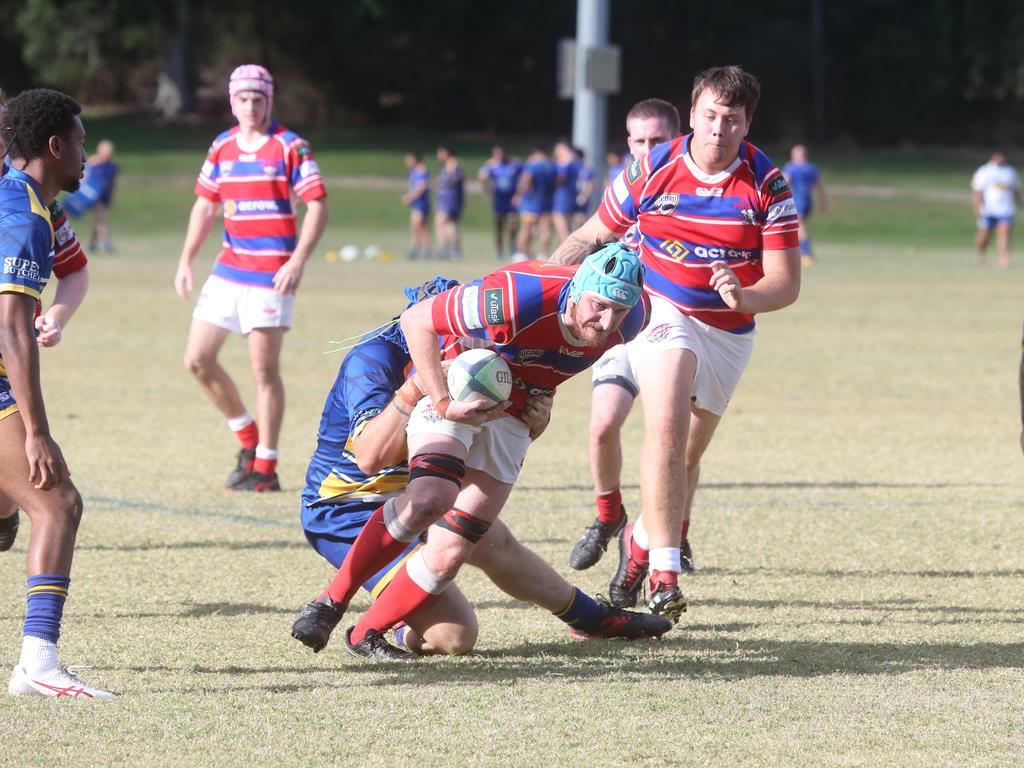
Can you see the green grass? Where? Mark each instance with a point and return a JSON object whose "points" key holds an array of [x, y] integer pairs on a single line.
{"points": [[857, 535]]}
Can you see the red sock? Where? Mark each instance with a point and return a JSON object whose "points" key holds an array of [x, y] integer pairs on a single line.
{"points": [[249, 436], [402, 597], [609, 507], [686, 529], [264, 466], [667, 578], [372, 550], [636, 552]]}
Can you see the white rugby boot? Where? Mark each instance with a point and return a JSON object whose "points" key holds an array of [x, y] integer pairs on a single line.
{"points": [[58, 682]]}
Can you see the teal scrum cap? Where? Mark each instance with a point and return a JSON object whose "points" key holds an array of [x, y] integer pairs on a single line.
{"points": [[614, 273]]}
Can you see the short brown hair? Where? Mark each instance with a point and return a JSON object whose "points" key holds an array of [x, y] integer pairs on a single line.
{"points": [[657, 108], [732, 86]]}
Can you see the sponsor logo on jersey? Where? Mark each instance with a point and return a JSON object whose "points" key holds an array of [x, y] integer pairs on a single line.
{"points": [[230, 206], [24, 268], [633, 172], [247, 157], [270, 170], [471, 306], [718, 252], [256, 206], [675, 250], [569, 352], [63, 234], [666, 203], [778, 185], [710, 191], [530, 389], [225, 167], [309, 168], [785, 208], [620, 190], [303, 150], [659, 332], [527, 356], [494, 306], [749, 215]]}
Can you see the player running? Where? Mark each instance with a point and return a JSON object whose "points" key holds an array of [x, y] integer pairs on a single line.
{"points": [[718, 235], [46, 141], [548, 323], [360, 462], [252, 171], [648, 123]]}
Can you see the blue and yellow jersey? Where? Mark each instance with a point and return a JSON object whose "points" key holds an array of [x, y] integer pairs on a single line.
{"points": [[26, 237], [339, 497]]}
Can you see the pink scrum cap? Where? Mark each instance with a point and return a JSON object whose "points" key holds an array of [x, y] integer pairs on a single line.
{"points": [[252, 77]]}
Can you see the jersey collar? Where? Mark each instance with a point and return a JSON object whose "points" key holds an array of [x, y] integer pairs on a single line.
{"points": [[703, 177]]}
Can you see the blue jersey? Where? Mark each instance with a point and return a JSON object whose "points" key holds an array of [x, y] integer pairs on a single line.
{"points": [[537, 199], [504, 178], [802, 178], [583, 196], [450, 190], [421, 202], [26, 248], [564, 199]]}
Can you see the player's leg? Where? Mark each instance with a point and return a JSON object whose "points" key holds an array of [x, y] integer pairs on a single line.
{"points": [[702, 428], [561, 222], [265, 361], [610, 403], [806, 249], [512, 225], [102, 227], [55, 516], [201, 351], [522, 573], [447, 625], [455, 236], [981, 240], [544, 224], [9, 522], [414, 233], [499, 234], [1004, 231], [527, 224]]}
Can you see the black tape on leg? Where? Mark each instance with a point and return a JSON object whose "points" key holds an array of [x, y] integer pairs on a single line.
{"points": [[437, 465], [465, 525]]}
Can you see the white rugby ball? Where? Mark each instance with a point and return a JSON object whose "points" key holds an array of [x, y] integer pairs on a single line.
{"points": [[479, 374], [349, 252]]}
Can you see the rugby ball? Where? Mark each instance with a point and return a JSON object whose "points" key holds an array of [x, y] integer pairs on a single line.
{"points": [[479, 374]]}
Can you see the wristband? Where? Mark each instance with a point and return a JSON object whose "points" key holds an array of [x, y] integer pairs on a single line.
{"points": [[409, 394], [394, 402], [441, 406]]}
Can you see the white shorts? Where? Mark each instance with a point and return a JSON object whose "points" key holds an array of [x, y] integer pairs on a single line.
{"points": [[613, 368], [497, 448], [721, 356], [240, 308]]}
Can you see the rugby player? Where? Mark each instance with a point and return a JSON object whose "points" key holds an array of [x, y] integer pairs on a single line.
{"points": [[533, 201], [451, 184], [44, 136], [418, 200], [251, 170], [500, 178], [995, 196], [650, 122], [718, 235], [360, 462], [563, 200], [549, 323], [70, 267], [804, 182]]}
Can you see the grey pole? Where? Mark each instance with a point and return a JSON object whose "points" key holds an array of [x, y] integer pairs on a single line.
{"points": [[590, 108]]}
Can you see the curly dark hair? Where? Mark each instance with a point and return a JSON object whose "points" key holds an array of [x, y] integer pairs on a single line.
{"points": [[32, 117]]}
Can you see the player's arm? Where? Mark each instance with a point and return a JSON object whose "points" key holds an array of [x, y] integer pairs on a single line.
{"points": [[524, 186], [288, 277], [200, 222], [779, 287], [421, 336], [976, 202], [21, 359], [71, 290], [581, 242]]}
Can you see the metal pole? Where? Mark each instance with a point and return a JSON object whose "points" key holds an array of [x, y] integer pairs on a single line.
{"points": [[590, 109]]}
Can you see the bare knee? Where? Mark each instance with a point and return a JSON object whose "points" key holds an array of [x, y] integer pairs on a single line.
{"points": [[452, 639], [447, 559], [425, 509], [199, 364], [64, 508]]}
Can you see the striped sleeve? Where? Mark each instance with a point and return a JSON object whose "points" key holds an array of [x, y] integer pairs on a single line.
{"points": [[208, 182], [303, 171], [458, 312], [69, 256], [619, 208], [26, 242], [781, 224]]}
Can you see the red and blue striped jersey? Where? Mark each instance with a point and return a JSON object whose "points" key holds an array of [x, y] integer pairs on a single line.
{"points": [[688, 219], [518, 309], [254, 185]]}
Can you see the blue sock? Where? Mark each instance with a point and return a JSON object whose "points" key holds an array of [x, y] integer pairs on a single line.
{"points": [[805, 247], [46, 595], [583, 612]]}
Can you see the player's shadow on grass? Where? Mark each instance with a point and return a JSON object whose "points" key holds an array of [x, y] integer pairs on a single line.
{"points": [[782, 485], [231, 546], [866, 573]]}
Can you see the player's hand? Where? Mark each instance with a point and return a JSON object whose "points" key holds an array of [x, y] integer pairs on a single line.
{"points": [[475, 412], [47, 468], [288, 277], [537, 414], [183, 280], [724, 280], [49, 331]]}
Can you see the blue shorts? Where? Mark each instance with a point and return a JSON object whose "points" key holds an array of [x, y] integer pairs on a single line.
{"points": [[334, 549], [452, 213], [989, 222], [8, 404], [423, 206]]}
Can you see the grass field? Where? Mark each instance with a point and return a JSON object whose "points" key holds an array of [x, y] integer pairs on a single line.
{"points": [[858, 600]]}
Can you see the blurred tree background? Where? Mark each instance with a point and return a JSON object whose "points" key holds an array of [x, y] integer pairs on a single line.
{"points": [[868, 73]]}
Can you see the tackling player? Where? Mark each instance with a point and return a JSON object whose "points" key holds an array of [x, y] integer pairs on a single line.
{"points": [[548, 323], [648, 123], [251, 170], [718, 235], [46, 141], [360, 462]]}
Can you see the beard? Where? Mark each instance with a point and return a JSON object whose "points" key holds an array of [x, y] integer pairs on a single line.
{"points": [[72, 185]]}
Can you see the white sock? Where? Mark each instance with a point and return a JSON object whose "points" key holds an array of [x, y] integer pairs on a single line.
{"points": [[262, 452], [37, 655], [665, 559], [240, 422], [640, 535], [423, 577]]}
